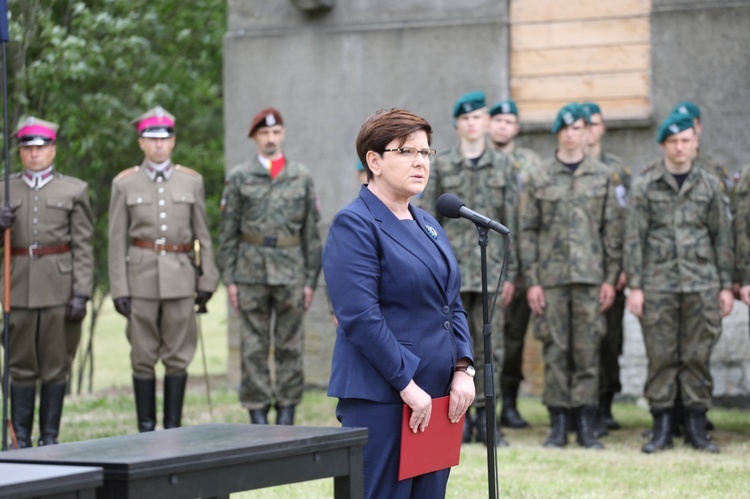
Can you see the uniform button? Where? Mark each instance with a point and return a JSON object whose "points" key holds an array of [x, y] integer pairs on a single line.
{"points": [[139, 200], [446, 309], [161, 190], [162, 202], [36, 208], [36, 198], [36, 220], [36, 232], [159, 179], [59, 204], [162, 215], [183, 198], [447, 324], [164, 228]]}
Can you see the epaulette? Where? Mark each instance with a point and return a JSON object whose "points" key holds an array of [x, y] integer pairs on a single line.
{"points": [[185, 169], [70, 179], [12, 176], [126, 173]]}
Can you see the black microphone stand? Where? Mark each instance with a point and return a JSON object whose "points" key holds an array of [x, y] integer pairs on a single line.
{"points": [[489, 373]]}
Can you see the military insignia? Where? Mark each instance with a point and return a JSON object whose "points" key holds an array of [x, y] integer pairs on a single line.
{"points": [[431, 231], [616, 178], [674, 128], [568, 118], [682, 110], [506, 108], [270, 120], [467, 107]]}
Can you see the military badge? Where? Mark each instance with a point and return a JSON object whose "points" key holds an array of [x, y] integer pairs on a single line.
{"points": [[431, 231]]}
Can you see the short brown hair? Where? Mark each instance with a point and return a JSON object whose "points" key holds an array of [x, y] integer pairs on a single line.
{"points": [[385, 125]]}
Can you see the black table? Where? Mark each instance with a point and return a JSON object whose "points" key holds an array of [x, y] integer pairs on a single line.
{"points": [[213, 460], [48, 481]]}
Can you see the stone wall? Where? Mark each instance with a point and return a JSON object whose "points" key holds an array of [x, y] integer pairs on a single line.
{"points": [[327, 71]]}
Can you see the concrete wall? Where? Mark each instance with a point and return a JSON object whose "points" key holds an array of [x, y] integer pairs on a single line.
{"points": [[327, 71]]}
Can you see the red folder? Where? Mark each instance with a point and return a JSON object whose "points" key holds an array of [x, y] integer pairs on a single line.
{"points": [[437, 448]]}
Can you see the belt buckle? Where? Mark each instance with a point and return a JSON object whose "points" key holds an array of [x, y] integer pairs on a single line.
{"points": [[160, 245], [270, 241], [32, 248]]}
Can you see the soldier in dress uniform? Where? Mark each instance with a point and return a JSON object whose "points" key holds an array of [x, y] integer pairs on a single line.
{"points": [[483, 178], [679, 264], [51, 279], [571, 252], [158, 233], [611, 347], [503, 130], [270, 258]]}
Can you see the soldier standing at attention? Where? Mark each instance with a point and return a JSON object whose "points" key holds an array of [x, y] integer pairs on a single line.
{"points": [[571, 250], [484, 180], [678, 260], [52, 278], [611, 348], [157, 218], [270, 259], [741, 219], [503, 130]]}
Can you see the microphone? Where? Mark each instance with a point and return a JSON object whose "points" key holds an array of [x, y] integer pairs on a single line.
{"points": [[451, 206]]}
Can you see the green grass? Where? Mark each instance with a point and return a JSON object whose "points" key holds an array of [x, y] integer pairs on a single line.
{"points": [[525, 469]]}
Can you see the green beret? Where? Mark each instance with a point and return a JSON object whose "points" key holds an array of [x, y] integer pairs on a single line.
{"points": [[675, 123], [359, 166], [468, 103], [591, 108], [569, 114], [507, 106], [689, 108]]}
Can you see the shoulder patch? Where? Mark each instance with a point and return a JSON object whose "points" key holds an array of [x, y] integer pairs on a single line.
{"points": [[126, 173], [185, 169]]}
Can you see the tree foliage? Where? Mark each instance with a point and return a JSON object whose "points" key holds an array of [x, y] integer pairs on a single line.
{"points": [[92, 66]]}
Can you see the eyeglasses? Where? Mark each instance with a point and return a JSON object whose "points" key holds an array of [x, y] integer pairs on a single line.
{"points": [[411, 153]]}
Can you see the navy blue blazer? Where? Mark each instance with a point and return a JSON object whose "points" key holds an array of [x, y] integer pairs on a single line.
{"points": [[400, 318]]}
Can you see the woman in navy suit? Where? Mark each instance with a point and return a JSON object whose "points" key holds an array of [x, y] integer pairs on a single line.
{"points": [[394, 283]]}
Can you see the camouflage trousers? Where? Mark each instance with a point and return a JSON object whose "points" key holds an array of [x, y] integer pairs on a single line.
{"points": [[258, 303], [570, 329], [611, 348], [472, 303], [680, 330], [517, 317]]}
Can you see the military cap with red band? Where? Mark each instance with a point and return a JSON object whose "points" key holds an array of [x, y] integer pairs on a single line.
{"points": [[155, 123], [267, 117], [34, 131]]}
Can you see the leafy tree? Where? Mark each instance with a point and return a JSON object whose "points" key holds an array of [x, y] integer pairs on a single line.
{"points": [[92, 66]]}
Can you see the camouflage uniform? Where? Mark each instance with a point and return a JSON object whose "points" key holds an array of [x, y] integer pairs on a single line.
{"points": [[269, 246], [518, 312], [679, 252], [741, 220], [488, 188], [570, 244], [611, 348]]}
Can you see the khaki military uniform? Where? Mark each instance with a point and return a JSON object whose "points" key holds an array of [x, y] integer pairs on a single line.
{"points": [[518, 312], [679, 252], [571, 243], [488, 188], [611, 348], [168, 213], [741, 221], [53, 215], [269, 246]]}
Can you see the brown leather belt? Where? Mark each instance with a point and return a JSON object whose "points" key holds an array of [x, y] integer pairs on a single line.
{"points": [[271, 241], [161, 245], [35, 251]]}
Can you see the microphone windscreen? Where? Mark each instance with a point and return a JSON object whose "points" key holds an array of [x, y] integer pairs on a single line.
{"points": [[449, 205]]}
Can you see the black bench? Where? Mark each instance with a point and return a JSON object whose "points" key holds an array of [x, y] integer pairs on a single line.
{"points": [[49, 481], [213, 460]]}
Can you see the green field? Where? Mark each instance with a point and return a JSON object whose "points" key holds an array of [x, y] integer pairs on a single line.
{"points": [[525, 469]]}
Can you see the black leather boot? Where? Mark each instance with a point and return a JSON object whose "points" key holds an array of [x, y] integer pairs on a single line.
{"points": [[661, 434], [509, 415], [145, 403], [174, 395], [558, 433], [259, 416], [481, 425], [468, 430], [695, 430], [22, 412], [586, 436], [51, 401], [605, 411], [285, 415]]}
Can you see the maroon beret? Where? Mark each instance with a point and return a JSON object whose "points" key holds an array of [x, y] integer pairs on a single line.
{"points": [[267, 117]]}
